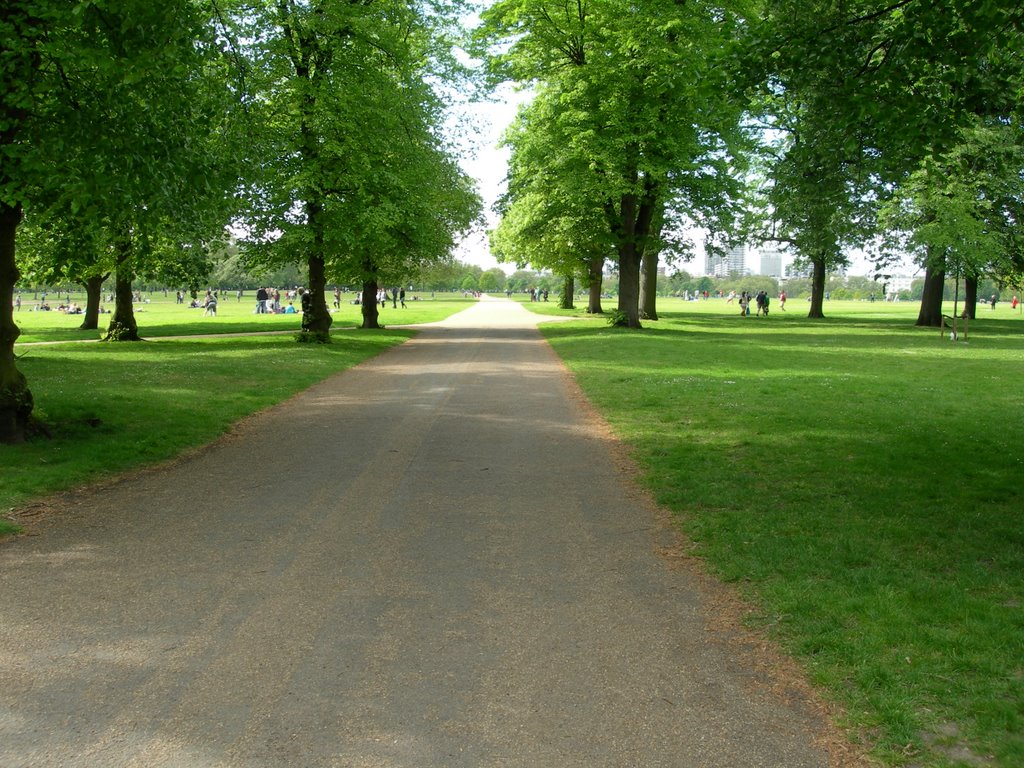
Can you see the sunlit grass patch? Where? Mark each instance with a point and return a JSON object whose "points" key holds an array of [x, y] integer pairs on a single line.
{"points": [[161, 316], [860, 480]]}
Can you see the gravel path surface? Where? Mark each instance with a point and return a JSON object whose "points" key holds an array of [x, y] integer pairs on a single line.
{"points": [[433, 559]]}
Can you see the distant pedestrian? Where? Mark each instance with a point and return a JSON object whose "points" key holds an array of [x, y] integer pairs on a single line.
{"points": [[782, 300], [992, 301], [401, 297], [261, 301]]}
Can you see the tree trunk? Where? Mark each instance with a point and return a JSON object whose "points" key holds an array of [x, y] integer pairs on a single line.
{"points": [[971, 296], [930, 314], [369, 305], [817, 289], [15, 397], [122, 323], [595, 277], [318, 319], [568, 289], [629, 285], [93, 293], [633, 229], [649, 285]]}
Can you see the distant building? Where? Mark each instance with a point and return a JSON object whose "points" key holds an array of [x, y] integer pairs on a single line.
{"points": [[734, 262], [771, 261], [897, 283]]}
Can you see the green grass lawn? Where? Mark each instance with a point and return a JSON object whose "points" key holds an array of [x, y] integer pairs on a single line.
{"points": [[860, 480], [117, 406], [158, 315]]}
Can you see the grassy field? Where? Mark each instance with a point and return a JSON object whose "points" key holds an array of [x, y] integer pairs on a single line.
{"points": [[116, 406], [860, 480], [158, 315]]}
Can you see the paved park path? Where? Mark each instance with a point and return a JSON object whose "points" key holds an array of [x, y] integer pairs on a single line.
{"points": [[433, 559]]}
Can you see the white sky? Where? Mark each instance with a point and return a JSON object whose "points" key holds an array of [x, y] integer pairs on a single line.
{"points": [[488, 164]]}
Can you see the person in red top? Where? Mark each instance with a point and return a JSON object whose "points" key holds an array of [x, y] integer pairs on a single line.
{"points": [[782, 300]]}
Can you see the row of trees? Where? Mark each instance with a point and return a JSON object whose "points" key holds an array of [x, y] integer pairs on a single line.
{"points": [[133, 133], [889, 124]]}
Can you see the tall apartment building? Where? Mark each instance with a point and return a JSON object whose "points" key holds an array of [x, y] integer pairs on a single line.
{"points": [[771, 261], [733, 262]]}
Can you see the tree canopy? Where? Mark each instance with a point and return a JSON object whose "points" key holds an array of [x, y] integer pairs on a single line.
{"points": [[134, 133], [636, 122]]}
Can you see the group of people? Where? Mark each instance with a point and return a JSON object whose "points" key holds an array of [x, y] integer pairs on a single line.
{"points": [[397, 296], [268, 302], [761, 300]]}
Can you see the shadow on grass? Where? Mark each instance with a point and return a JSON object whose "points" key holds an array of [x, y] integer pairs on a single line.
{"points": [[883, 333]]}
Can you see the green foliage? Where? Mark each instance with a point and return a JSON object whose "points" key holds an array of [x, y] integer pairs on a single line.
{"points": [[633, 130], [962, 208], [617, 319], [350, 166], [489, 282], [861, 98]]}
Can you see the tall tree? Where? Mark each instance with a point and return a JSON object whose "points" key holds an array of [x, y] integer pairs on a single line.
{"points": [[550, 216], [95, 119], [960, 211], [354, 177], [642, 97]]}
